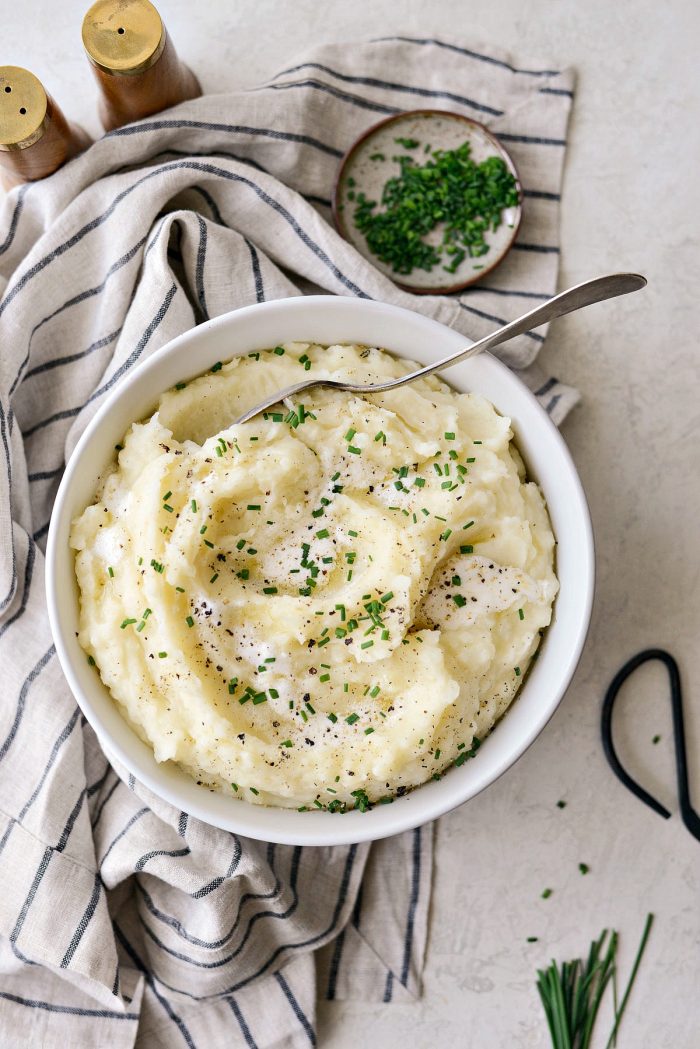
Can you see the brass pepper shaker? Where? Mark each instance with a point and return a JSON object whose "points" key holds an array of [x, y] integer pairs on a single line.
{"points": [[134, 61], [35, 137]]}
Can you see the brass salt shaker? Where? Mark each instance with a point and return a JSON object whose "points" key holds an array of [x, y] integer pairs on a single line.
{"points": [[35, 137], [134, 61]]}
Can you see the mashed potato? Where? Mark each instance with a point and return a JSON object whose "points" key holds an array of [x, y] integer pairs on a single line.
{"points": [[325, 606]]}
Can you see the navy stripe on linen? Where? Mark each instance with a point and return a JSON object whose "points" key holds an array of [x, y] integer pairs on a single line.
{"points": [[235, 129], [210, 169], [497, 320], [96, 817], [22, 699], [343, 96], [540, 194], [8, 467], [136, 816], [413, 902], [386, 85], [556, 91], [41, 532], [140, 347], [240, 1018], [177, 1020], [182, 824], [46, 475], [72, 1010], [388, 986], [544, 249], [143, 860], [507, 292], [283, 947], [257, 274], [15, 219], [335, 966], [246, 936], [94, 787], [181, 931], [60, 740], [28, 574], [199, 270], [296, 1008], [546, 387], [422, 41], [84, 922], [532, 140], [59, 362], [216, 882], [82, 296], [70, 822], [36, 882]]}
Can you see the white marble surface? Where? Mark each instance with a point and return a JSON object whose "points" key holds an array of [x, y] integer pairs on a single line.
{"points": [[631, 200]]}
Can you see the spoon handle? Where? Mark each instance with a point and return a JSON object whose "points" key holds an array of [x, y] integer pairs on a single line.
{"points": [[596, 290]]}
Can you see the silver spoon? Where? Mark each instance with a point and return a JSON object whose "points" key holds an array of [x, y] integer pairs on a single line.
{"points": [[575, 298]]}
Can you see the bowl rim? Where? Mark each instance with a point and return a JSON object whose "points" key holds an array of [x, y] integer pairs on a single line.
{"points": [[355, 827]]}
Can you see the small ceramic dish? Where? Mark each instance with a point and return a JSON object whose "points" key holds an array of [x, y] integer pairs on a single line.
{"points": [[374, 158], [327, 319]]}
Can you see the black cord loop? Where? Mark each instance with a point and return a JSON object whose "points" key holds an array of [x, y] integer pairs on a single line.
{"points": [[690, 817]]}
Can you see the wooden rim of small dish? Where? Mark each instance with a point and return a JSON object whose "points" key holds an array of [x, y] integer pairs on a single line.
{"points": [[499, 148]]}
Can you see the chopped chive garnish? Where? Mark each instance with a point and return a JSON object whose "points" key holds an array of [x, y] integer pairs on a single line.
{"points": [[466, 549], [253, 790], [521, 614], [162, 655], [253, 506], [217, 367], [190, 621], [467, 525], [546, 893], [193, 505], [449, 436], [269, 590], [322, 534], [352, 718], [91, 661], [583, 868], [126, 622], [110, 572], [367, 644], [446, 534], [279, 350], [354, 450], [214, 577], [208, 542], [459, 600], [517, 671], [369, 731]]}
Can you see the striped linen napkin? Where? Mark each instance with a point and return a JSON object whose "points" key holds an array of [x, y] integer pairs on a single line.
{"points": [[122, 921]]}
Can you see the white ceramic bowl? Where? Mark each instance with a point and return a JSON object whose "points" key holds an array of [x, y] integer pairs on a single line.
{"points": [[326, 320]]}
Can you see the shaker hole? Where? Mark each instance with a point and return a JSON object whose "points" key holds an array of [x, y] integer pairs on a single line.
{"points": [[121, 30], [8, 89], [23, 110]]}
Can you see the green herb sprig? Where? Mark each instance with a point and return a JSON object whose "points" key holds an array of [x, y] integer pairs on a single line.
{"points": [[571, 993]]}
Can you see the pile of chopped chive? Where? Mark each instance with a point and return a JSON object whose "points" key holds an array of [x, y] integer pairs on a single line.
{"points": [[450, 188]]}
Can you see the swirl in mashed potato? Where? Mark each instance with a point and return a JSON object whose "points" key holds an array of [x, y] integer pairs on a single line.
{"points": [[327, 605]]}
